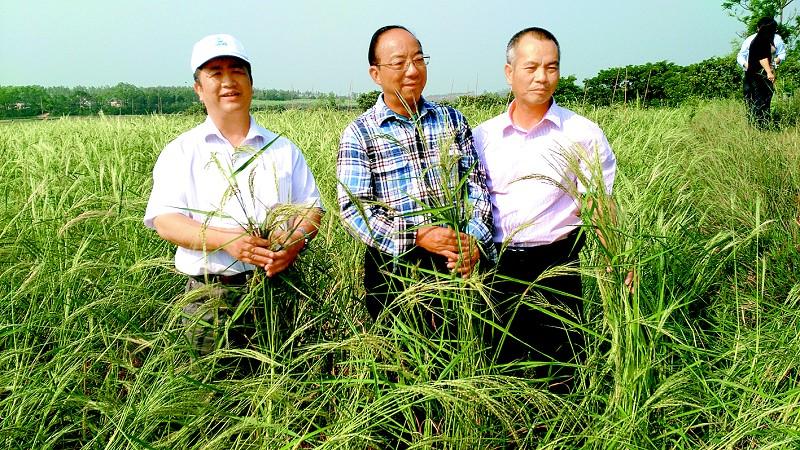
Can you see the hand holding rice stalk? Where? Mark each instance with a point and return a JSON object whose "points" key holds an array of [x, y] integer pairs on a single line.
{"points": [[281, 233]]}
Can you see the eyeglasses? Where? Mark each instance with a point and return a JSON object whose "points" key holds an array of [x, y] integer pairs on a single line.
{"points": [[419, 62]]}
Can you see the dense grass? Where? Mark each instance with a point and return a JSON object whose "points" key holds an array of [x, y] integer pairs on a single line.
{"points": [[703, 354]]}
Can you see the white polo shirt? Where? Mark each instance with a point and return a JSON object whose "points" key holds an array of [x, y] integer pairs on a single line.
{"points": [[189, 178], [522, 166]]}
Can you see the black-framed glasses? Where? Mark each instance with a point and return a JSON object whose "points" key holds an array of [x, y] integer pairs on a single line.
{"points": [[418, 61]]}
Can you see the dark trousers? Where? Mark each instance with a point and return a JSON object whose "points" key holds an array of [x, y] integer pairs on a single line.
{"points": [[382, 286], [381, 272], [758, 92], [533, 333]]}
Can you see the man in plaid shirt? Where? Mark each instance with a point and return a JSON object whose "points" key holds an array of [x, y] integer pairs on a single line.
{"points": [[394, 181]]}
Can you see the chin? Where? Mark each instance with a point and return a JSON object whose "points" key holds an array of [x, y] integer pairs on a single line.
{"points": [[411, 98], [537, 100]]}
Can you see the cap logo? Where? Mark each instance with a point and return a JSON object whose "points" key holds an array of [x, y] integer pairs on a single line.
{"points": [[221, 43]]}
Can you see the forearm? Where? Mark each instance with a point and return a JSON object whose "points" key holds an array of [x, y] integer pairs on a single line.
{"points": [[767, 67], [190, 234], [480, 224]]}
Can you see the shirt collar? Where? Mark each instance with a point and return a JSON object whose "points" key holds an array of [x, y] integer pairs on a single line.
{"points": [[383, 113], [256, 135], [553, 115]]}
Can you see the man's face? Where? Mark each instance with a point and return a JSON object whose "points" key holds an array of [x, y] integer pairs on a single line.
{"points": [[223, 85], [399, 46], [534, 72]]}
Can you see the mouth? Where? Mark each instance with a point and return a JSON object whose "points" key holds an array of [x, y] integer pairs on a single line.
{"points": [[230, 95]]}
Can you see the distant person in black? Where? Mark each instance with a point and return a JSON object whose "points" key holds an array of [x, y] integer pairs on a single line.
{"points": [[759, 76]]}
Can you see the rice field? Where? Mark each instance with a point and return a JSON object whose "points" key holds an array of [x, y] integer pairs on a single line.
{"points": [[704, 354]]}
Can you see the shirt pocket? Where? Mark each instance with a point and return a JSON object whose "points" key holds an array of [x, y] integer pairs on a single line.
{"points": [[392, 178]]}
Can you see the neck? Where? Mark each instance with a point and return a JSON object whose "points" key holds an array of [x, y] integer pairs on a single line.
{"points": [[526, 116], [234, 128], [397, 105]]}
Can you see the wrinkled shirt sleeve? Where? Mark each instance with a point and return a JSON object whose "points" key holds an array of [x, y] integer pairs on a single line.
{"points": [[373, 223], [304, 187], [170, 176], [600, 157]]}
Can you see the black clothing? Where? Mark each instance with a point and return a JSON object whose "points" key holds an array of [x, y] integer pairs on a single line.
{"points": [[535, 335], [757, 89], [758, 97], [381, 271]]}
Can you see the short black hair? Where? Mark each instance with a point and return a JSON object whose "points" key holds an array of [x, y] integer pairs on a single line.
{"points": [[245, 64], [377, 34], [537, 32]]}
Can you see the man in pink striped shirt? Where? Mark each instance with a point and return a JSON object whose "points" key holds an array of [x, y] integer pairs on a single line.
{"points": [[535, 195]]}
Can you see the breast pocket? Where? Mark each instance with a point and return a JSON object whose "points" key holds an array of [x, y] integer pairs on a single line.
{"points": [[391, 179]]}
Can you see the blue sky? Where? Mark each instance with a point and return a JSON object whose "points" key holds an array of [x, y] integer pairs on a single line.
{"points": [[322, 45]]}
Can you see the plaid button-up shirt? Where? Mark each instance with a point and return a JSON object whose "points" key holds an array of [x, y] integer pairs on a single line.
{"points": [[392, 179]]}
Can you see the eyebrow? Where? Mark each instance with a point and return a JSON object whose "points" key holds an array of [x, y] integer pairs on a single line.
{"points": [[537, 63], [398, 55]]}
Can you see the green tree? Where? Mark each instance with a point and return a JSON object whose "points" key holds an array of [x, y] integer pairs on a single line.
{"points": [[568, 90], [367, 99], [750, 11], [714, 78], [654, 84]]}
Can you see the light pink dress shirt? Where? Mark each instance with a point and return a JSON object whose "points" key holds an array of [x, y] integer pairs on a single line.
{"points": [[523, 167]]}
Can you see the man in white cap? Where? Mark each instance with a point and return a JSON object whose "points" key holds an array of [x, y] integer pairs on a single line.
{"points": [[216, 185]]}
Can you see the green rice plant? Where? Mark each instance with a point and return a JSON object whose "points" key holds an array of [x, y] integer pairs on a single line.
{"points": [[702, 355]]}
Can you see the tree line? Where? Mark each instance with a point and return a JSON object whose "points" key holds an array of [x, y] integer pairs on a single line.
{"points": [[653, 84], [123, 98]]}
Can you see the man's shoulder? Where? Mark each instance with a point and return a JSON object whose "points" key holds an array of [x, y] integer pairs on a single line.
{"points": [[441, 110], [366, 119], [492, 122], [572, 121], [268, 136], [188, 138]]}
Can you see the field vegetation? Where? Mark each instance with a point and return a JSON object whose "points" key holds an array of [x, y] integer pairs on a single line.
{"points": [[703, 354]]}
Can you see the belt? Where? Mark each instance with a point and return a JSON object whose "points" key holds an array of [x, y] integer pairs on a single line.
{"points": [[238, 279], [518, 249], [568, 240]]}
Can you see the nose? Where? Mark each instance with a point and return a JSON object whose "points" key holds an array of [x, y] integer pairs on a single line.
{"points": [[227, 78], [539, 75], [412, 68]]}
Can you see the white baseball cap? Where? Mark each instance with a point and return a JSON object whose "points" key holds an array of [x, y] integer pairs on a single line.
{"points": [[216, 45]]}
